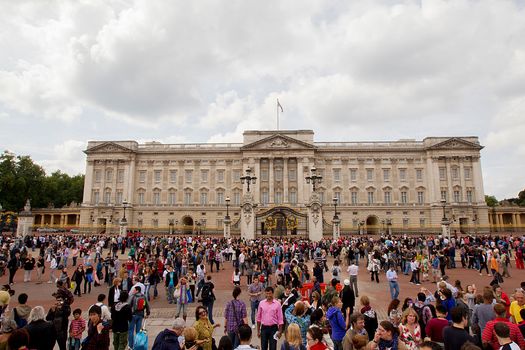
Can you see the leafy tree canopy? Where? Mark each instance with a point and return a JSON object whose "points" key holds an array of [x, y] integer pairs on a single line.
{"points": [[491, 201], [21, 178]]}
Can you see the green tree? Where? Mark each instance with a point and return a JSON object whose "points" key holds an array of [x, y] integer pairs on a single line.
{"points": [[521, 198], [491, 201]]}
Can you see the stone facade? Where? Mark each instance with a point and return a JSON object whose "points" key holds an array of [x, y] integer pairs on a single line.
{"points": [[394, 186]]}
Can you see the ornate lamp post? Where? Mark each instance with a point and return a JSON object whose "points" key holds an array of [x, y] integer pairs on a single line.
{"points": [[445, 224], [248, 179], [383, 225], [227, 221], [336, 221], [313, 178], [171, 224], [124, 221]]}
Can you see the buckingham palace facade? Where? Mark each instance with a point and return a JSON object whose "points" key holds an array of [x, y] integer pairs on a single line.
{"points": [[393, 186]]}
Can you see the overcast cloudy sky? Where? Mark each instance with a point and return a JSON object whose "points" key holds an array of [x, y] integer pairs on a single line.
{"points": [[204, 71]]}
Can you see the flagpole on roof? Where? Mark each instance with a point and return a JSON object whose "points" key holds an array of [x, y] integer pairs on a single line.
{"points": [[278, 107]]}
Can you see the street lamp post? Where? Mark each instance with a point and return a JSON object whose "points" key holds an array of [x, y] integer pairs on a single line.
{"points": [[227, 220], [383, 225], [444, 221], [313, 178], [124, 221], [248, 179], [336, 221]]}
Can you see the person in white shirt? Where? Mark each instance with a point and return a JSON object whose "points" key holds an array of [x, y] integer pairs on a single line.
{"points": [[137, 282], [245, 336], [352, 272], [391, 276]]}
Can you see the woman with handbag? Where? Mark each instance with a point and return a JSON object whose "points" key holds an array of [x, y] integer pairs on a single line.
{"points": [[181, 295], [204, 328], [235, 314]]}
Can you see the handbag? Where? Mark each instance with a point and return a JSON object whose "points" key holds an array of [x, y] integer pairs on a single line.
{"points": [[188, 296], [140, 341]]}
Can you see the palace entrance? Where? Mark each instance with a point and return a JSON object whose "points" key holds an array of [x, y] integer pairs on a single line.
{"points": [[281, 222], [187, 225]]}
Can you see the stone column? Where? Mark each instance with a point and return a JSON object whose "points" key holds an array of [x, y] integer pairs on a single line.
{"points": [[300, 182], [285, 180], [25, 221], [271, 196], [479, 193], [462, 182], [247, 217], [88, 182], [129, 177], [227, 227], [450, 189], [315, 218], [257, 186], [336, 231]]}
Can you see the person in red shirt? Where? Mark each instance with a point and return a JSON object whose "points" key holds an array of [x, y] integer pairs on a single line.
{"points": [[489, 337], [435, 326], [314, 339], [501, 297]]}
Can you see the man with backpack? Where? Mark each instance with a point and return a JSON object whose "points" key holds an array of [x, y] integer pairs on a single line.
{"points": [[424, 312], [208, 297], [140, 310]]}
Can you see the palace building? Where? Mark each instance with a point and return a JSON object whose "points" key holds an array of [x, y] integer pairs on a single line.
{"points": [[393, 186]]}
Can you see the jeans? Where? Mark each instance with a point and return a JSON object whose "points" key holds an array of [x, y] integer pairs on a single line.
{"points": [[120, 340], [254, 305], [169, 293], [234, 338], [134, 327], [394, 289], [209, 306], [183, 308], [74, 344], [267, 340], [353, 285]]}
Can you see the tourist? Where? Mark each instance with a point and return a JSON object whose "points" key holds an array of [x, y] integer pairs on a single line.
{"points": [[353, 270], [348, 298], [503, 334], [394, 313], [78, 276], [13, 265], [208, 297], [293, 339], [446, 299], [425, 311], [409, 329], [234, 315], [114, 292], [225, 342], [516, 306], [42, 334], [269, 321], [18, 339], [169, 338], [391, 276], [76, 328], [20, 313], [29, 265], [170, 281], [455, 336], [435, 326], [357, 322], [314, 339], [299, 314], [204, 327], [255, 291], [374, 264], [488, 336], [140, 309], [336, 271], [98, 333], [181, 296], [121, 315], [386, 337], [337, 322], [245, 336], [370, 315], [40, 268], [106, 313], [59, 315], [482, 312]]}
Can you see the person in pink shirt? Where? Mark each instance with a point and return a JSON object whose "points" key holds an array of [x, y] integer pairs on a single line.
{"points": [[270, 321]]}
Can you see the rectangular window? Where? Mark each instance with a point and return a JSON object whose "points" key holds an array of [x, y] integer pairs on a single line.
{"points": [[220, 175], [237, 198], [419, 175], [188, 175], [173, 176], [157, 176], [109, 175], [96, 198], [337, 195], [156, 198], [369, 174], [278, 174], [370, 197], [388, 197], [467, 173], [155, 223], [264, 174], [442, 173], [120, 175], [353, 175], [405, 223], [455, 173], [386, 175], [292, 174], [236, 175], [420, 197], [107, 197], [204, 198], [404, 197], [469, 196], [97, 175], [421, 223], [293, 197], [142, 176], [141, 198], [139, 222], [278, 197], [457, 196], [402, 174], [264, 197], [172, 198], [337, 175], [220, 198], [204, 175], [354, 197], [119, 197], [187, 198]]}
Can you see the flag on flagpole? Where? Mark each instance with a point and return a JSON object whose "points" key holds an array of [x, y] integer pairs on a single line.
{"points": [[279, 105]]}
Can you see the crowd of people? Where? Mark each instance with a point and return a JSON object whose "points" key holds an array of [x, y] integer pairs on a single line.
{"points": [[302, 293]]}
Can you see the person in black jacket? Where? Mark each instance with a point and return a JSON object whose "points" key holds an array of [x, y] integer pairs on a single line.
{"points": [[121, 315], [42, 335], [78, 277], [12, 266], [347, 297], [59, 316], [169, 338]]}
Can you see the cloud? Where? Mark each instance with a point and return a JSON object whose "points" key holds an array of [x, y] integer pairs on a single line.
{"points": [[66, 157]]}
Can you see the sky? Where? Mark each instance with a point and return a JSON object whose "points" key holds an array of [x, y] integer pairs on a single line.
{"points": [[204, 71]]}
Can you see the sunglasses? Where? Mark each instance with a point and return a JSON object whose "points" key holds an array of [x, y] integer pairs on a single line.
{"points": [[203, 313]]}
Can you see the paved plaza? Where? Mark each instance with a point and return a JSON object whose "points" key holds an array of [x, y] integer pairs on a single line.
{"points": [[163, 313]]}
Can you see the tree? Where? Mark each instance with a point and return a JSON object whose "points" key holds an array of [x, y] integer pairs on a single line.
{"points": [[521, 198], [21, 178], [491, 201]]}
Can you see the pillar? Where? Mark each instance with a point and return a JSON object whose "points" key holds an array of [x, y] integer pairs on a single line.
{"points": [[270, 181], [285, 180]]}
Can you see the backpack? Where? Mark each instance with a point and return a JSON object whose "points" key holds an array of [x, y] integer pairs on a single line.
{"points": [[206, 292], [20, 322], [140, 304], [335, 273]]}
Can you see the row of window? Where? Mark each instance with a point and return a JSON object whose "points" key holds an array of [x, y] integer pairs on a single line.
{"points": [[455, 173], [457, 195]]}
